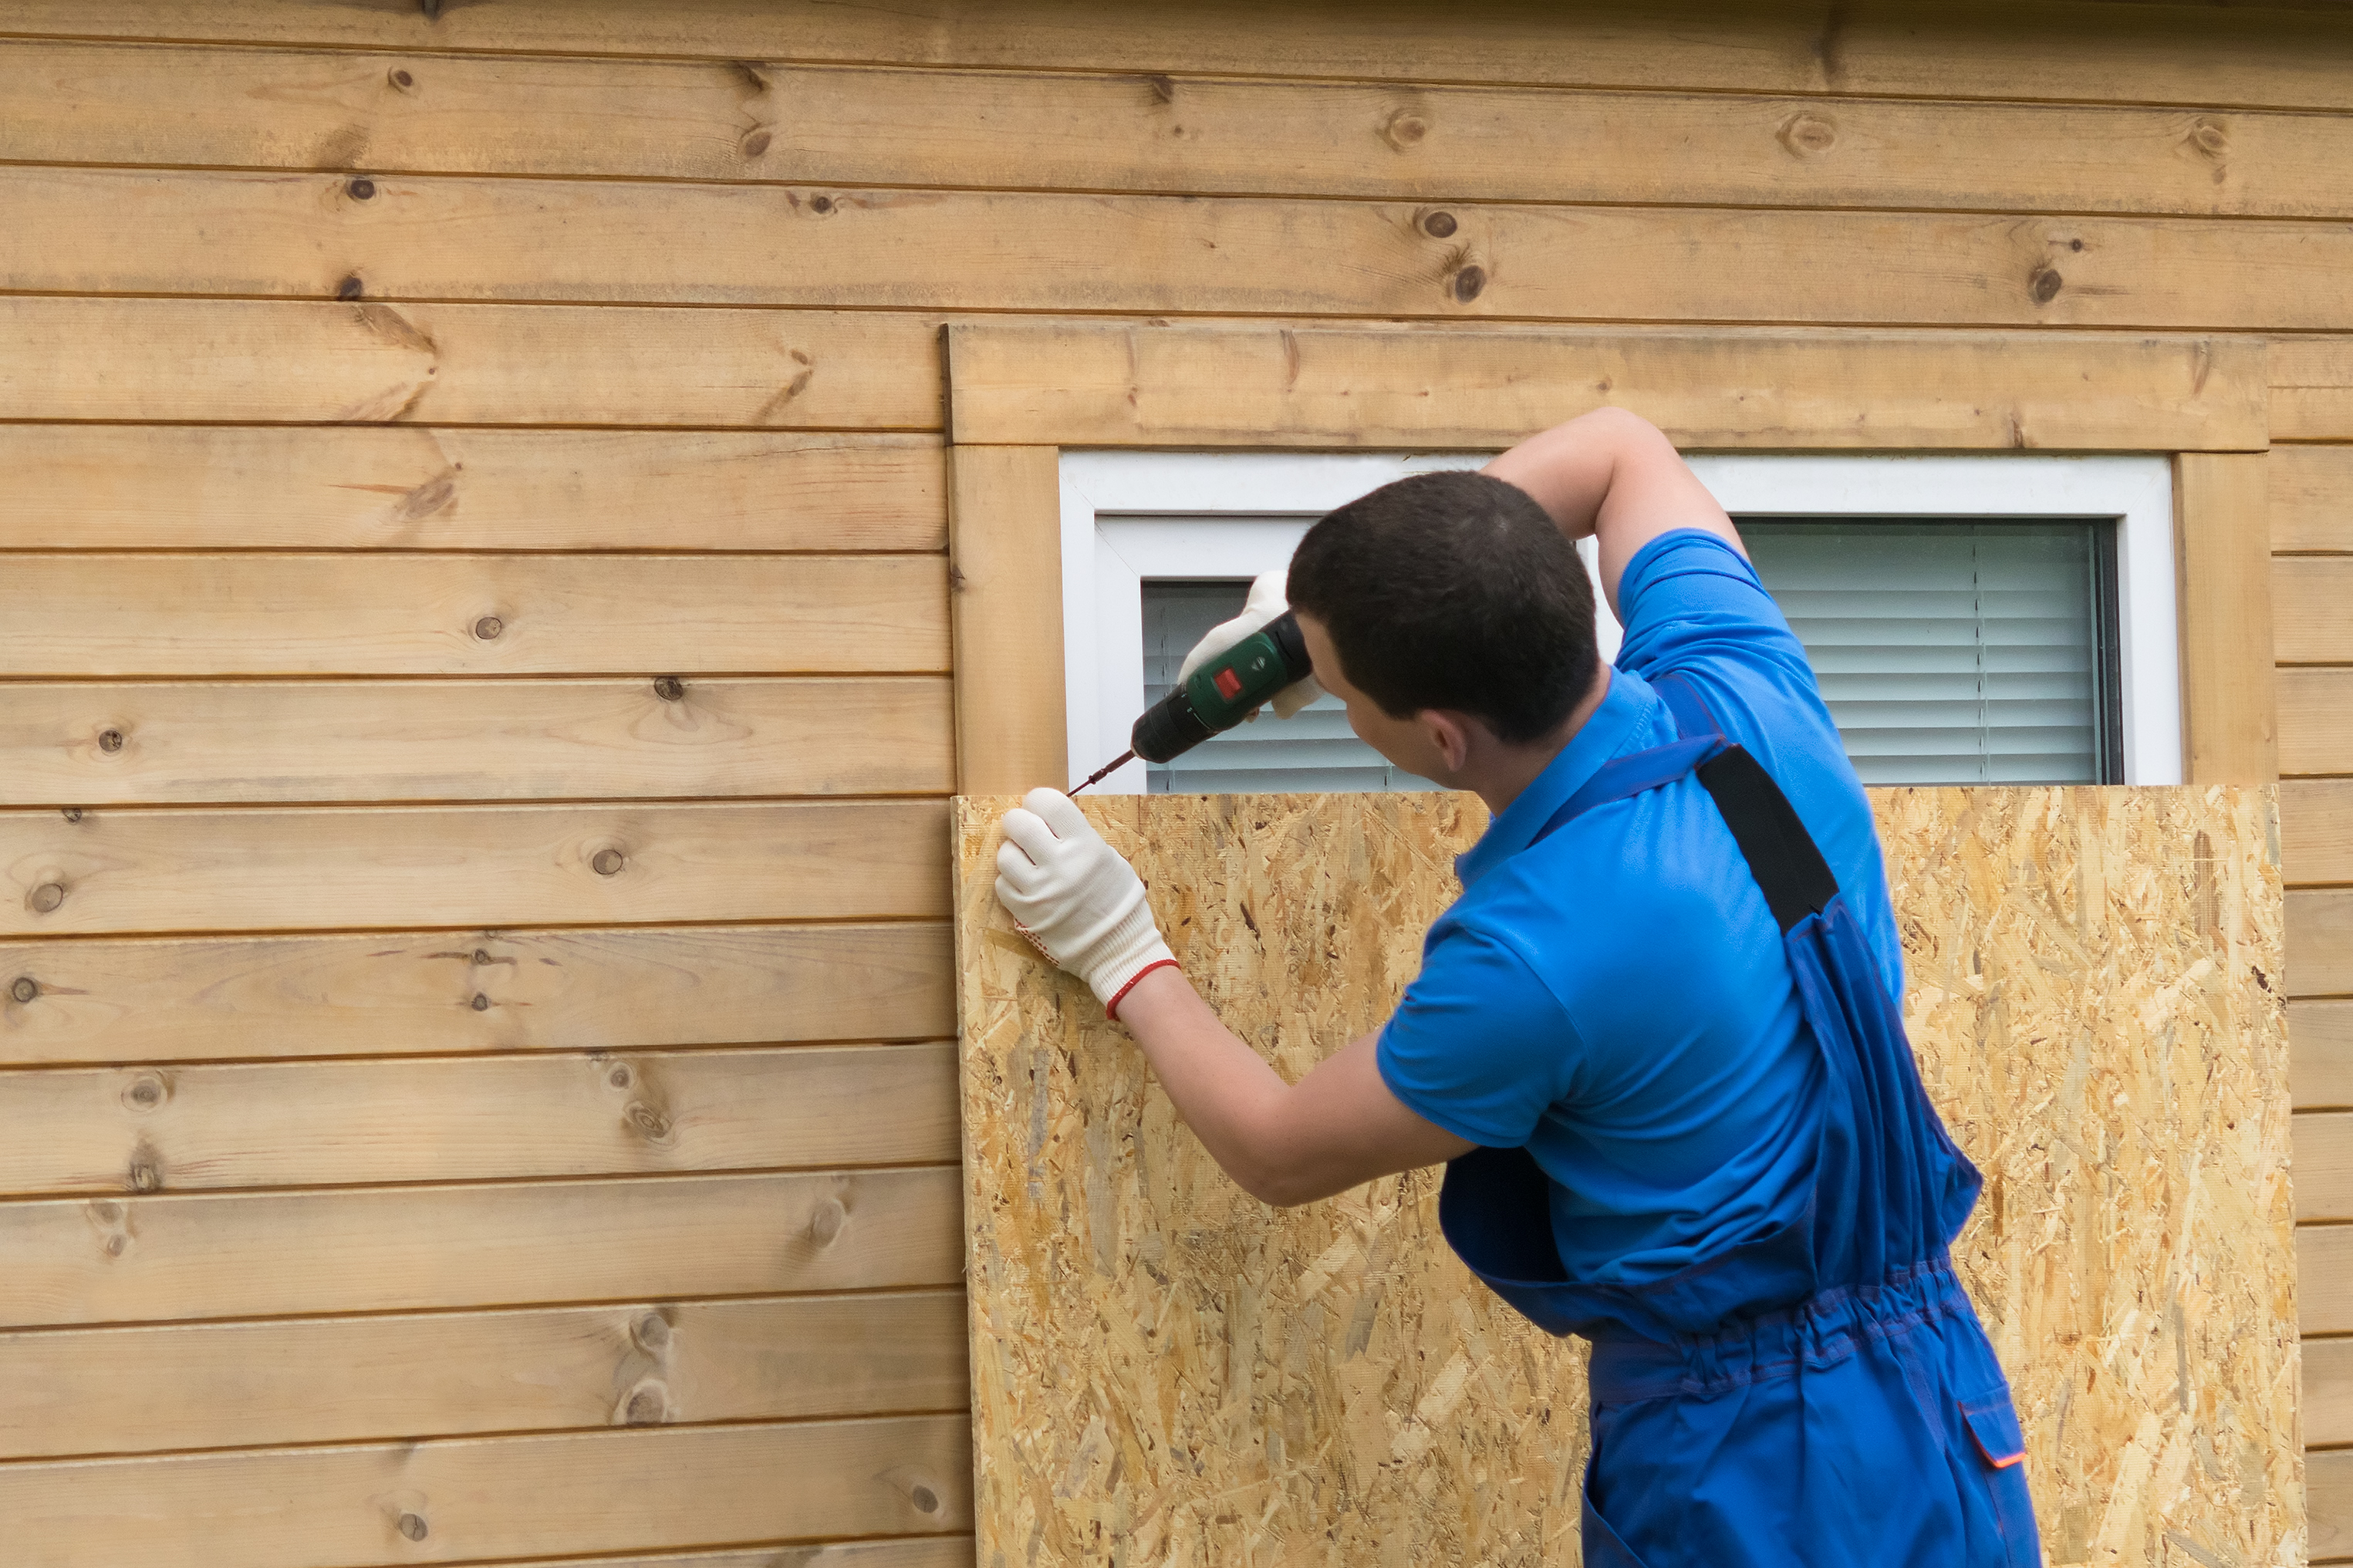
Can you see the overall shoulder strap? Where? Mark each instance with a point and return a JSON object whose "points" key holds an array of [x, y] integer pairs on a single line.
{"points": [[1781, 854]]}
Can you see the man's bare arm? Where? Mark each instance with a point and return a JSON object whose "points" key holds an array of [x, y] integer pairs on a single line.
{"points": [[1284, 1143], [1614, 475]]}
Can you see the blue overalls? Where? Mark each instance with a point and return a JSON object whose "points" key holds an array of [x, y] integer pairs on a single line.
{"points": [[1824, 1394]]}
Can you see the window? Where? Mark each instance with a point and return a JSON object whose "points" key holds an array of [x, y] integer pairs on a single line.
{"points": [[1971, 619]]}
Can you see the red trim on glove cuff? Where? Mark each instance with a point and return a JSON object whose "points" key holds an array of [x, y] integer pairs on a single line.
{"points": [[1111, 1008]]}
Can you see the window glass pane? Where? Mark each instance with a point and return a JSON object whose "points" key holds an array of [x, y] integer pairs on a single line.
{"points": [[1950, 651], [1313, 750]]}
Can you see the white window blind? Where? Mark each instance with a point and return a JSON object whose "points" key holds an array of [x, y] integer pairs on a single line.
{"points": [[1955, 652], [1950, 652]]}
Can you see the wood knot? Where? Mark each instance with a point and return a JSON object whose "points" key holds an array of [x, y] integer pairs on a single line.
{"points": [[646, 1121], [826, 1224], [1164, 88], [480, 1003], [2208, 137], [481, 955], [2045, 284], [608, 862], [116, 1246], [411, 1525], [1439, 226], [110, 740], [821, 204], [670, 689], [756, 142], [401, 79], [1805, 135], [146, 1092], [361, 190], [146, 1176], [349, 289], [71, 814], [1468, 282], [926, 1499], [652, 1333], [648, 1405], [107, 1212], [489, 627], [45, 899], [621, 1078], [24, 988], [1404, 128]]}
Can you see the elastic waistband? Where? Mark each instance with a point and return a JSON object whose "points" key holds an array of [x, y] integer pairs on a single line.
{"points": [[1817, 1332]]}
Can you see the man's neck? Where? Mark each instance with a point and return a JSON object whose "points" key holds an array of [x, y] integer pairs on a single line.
{"points": [[1501, 775]]}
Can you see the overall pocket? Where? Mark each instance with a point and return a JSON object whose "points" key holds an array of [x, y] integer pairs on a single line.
{"points": [[1992, 1423], [1604, 1548]]}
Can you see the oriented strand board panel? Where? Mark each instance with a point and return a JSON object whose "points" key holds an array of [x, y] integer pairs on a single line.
{"points": [[1161, 1361]]}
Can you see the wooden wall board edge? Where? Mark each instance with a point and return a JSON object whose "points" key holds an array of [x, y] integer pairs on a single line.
{"points": [[281, 1382], [2320, 1062], [2312, 387], [2316, 831], [2316, 718], [275, 108], [367, 362], [2320, 943], [450, 1500], [1006, 608], [2323, 1279], [273, 236], [1090, 383], [91, 743], [2328, 1500], [183, 487], [2223, 540], [166, 1258], [2309, 594], [544, 1114], [2323, 1141], [158, 1000], [190, 869], [2312, 496], [2327, 1404], [2196, 56]]}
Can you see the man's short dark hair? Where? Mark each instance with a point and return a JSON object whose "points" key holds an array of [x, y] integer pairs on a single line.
{"points": [[1455, 590]]}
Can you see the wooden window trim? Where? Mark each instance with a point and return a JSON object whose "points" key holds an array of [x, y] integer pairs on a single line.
{"points": [[1018, 393]]}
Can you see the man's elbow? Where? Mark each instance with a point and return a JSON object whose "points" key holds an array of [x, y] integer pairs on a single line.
{"points": [[1276, 1182]]}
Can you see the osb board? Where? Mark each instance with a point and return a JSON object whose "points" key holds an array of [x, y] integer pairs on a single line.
{"points": [[1166, 1371]]}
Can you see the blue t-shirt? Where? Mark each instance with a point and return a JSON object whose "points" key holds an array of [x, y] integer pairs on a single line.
{"points": [[1615, 998]]}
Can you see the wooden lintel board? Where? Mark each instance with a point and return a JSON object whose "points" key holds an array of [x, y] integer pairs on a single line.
{"points": [[1166, 1371], [1073, 384]]}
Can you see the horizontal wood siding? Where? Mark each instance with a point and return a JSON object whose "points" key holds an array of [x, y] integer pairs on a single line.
{"points": [[475, 632]]}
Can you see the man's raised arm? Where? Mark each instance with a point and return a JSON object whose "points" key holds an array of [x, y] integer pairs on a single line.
{"points": [[1614, 475]]}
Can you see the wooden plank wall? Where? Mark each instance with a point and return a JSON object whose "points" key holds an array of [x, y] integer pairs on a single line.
{"points": [[477, 649]]}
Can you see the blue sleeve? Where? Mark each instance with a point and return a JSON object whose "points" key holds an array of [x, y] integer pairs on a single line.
{"points": [[1689, 600], [1479, 1045]]}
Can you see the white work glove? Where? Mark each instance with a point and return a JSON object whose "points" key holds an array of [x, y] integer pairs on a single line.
{"points": [[1266, 603], [1075, 898]]}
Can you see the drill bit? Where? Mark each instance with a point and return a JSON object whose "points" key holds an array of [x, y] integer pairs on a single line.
{"points": [[1104, 771]]}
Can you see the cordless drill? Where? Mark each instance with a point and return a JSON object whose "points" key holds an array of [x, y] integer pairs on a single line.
{"points": [[1227, 689]]}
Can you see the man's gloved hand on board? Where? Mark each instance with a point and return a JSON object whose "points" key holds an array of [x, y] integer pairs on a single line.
{"points": [[1074, 897], [1266, 601]]}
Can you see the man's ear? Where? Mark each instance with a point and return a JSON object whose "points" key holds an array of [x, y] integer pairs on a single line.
{"points": [[1448, 734]]}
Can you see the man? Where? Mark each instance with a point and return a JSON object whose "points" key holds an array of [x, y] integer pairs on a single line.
{"points": [[1655, 1038]]}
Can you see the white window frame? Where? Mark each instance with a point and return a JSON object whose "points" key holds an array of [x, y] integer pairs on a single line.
{"points": [[1129, 516]]}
